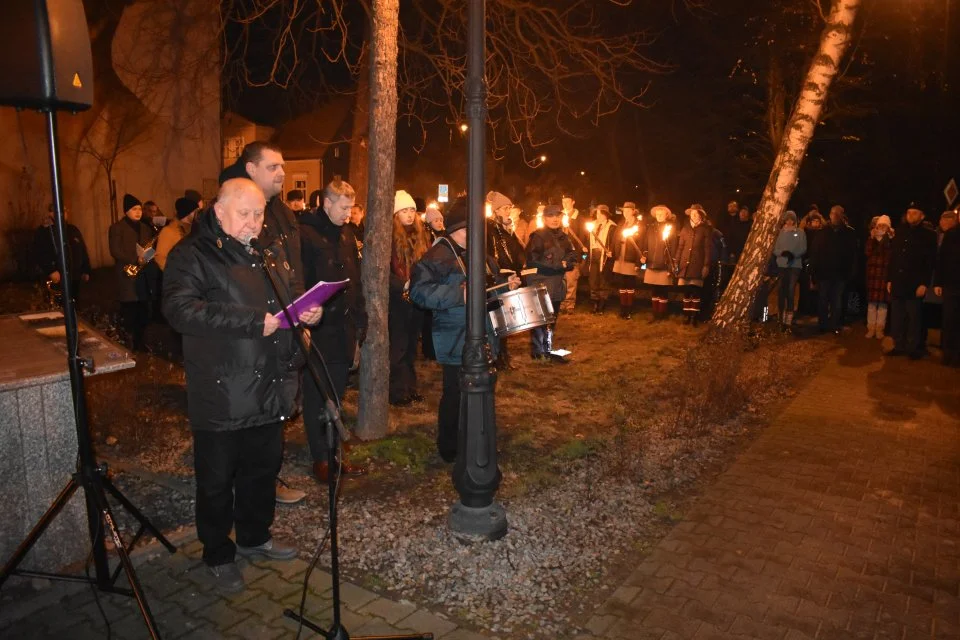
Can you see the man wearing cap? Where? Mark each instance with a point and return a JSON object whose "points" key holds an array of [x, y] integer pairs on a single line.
{"points": [[242, 377], [913, 256], [296, 201], [946, 284], [176, 230], [129, 237], [438, 283]]}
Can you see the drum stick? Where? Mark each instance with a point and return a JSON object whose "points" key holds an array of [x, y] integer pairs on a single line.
{"points": [[527, 272], [498, 286]]}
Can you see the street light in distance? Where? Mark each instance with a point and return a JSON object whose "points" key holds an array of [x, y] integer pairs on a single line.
{"points": [[464, 127]]}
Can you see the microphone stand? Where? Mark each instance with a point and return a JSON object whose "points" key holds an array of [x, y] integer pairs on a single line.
{"points": [[335, 434]]}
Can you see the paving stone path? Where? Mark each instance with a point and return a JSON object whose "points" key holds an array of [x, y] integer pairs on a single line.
{"points": [[841, 521]]}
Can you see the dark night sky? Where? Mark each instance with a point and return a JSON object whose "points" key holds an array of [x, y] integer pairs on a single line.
{"points": [[889, 138]]}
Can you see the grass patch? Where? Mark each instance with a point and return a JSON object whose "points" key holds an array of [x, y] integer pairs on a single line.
{"points": [[579, 448], [410, 451]]}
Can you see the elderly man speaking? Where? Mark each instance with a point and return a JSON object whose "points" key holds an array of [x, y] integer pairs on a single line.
{"points": [[241, 376]]}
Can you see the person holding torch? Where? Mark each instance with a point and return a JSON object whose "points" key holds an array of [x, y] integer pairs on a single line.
{"points": [[658, 250], [601, 232], [627, 253]]}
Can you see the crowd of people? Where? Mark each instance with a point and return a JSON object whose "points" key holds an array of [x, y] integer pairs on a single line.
{"points": [[223, 273]]}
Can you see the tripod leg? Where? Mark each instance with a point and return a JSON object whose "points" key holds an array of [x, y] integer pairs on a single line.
{"points": [[111, 526], [142, 519], [38, 529]]}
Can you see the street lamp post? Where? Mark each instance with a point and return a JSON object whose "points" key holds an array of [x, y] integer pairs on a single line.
{"points": [[476, 474]]}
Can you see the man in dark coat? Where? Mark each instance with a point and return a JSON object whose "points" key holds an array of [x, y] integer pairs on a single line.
{"points": [[46, 252], [242, 376], [438, 283], [946, 284], [833, 258], [129, 238], [330, 255], [913, 255]]}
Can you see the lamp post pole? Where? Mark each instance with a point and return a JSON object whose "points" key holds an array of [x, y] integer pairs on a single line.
{"points": [[476, 475]]}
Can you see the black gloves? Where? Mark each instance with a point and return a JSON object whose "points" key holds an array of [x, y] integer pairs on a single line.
{"points": [[787, 254]]}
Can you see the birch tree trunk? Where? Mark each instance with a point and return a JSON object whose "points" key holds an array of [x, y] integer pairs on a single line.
{"points": [[373, 415], [734, 308]]}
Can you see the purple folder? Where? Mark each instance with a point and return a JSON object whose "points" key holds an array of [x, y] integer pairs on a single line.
{"points": [[315, 297]]}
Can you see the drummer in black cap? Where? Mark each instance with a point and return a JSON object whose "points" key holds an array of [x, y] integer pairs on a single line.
{"points": [[551, 253], [438, 282]]}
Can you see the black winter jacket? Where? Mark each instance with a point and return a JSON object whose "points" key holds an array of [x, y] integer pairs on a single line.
{"points": [[125, 235], [694, 252], [46, 251], [948, 263], [280, 231], [552, 254], [330, 254], [504, 247], [913, 255], [834, 253], [216, 295], [661, 254]]}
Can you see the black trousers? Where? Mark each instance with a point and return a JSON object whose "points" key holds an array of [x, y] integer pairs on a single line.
{"points": [[236, 487], [906, 324], [313, 405], [950, 327], [830, 304], [599, 278], [405, 322], [136, 317], [448, 415]]}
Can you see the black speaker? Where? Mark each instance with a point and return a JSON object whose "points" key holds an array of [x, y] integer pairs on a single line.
{"points": [[45, 59]]}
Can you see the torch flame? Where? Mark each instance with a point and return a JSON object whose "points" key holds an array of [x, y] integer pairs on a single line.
{"points": [[539, 221], [666, 231], [629, 232], [590, 227], [488, 210], [432, 205], [566, 220]]}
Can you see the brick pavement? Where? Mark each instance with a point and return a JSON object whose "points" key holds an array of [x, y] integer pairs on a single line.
{"points": [[841, 521], [185, 606]]}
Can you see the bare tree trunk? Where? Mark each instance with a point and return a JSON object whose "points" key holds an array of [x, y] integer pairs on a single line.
{"points": [[372, 420], [360, 136], [734, 308]]}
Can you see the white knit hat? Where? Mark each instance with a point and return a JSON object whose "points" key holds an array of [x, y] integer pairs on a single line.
{"points": [[403, 200], [884, 220]]}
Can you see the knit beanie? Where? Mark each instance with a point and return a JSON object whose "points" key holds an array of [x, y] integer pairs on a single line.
{"points": [[455, 217], [789, 215], [184, 207], [403, 200], [883, 220], [497, 200], [129, 202]]}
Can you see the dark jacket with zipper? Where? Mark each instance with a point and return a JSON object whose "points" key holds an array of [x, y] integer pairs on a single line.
{"points": [[216, 295], [833, 252], [330, 254], [913, 255], [437, 283], [552, 254], [504, 247], [694, 252]]}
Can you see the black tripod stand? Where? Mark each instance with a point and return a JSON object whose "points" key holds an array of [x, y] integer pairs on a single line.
{"points": [[90, 475], [335, 432]]}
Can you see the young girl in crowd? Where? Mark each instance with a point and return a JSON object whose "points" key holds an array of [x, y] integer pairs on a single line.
{"points": [[660, 253], [627, 253], [693, 260], [789, 249], [601, 235], [405, 320], [878, 261]]}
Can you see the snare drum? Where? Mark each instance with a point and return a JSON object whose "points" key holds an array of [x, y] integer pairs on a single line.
{"points": [[521, 309]]}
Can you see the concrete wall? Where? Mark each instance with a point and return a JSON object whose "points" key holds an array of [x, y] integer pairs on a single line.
{"points": [[155, 121]]}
